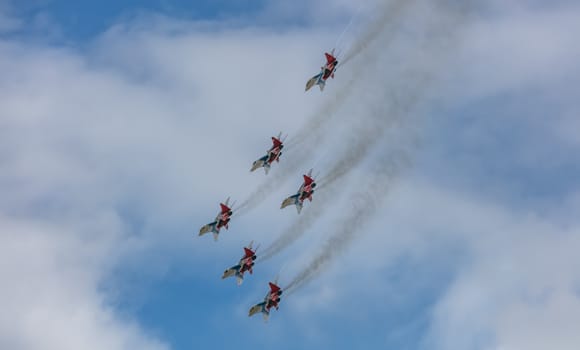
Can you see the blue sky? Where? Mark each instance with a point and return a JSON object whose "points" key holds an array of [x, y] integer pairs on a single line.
{"points": [[124, 123], [82, 20]]}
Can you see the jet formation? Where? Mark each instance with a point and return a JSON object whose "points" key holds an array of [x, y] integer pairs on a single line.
{"points": [[305, 192]]}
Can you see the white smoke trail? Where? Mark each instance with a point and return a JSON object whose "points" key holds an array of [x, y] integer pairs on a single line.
{"points": [[365, 205], [394, 95], [299, 150], [373, 192], [389, 13], [315, 131], [368, 136]]}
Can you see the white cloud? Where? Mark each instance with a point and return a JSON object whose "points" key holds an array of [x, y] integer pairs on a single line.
{"points": [[137, 124], [550, 323], [518, 49], [495, 274], [520, 267], [103, 153], [510, 273], [50, 291]]}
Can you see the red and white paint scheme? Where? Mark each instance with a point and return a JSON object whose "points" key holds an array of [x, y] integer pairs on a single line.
{"points": [[326, 71], [272, 155], [304, 192], [221, 220], [245, 264], [271, 300]]}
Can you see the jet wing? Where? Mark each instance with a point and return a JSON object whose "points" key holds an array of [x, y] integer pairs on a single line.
{"points": [[313, 81], [231, 271], [289, 201], [207, 228], [259, 163], [256, 309]]}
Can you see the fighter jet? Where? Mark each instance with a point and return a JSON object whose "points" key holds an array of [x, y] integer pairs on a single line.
{"points": [[246, 263], [221, 220], [326, 71], [304, 192], [273, 154], [271, 299]]}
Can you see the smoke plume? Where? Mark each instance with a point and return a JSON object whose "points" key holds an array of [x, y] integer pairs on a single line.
{"points": [[364, 205], [389, 14], [438, 40], [302, 145], [395, 92]]}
